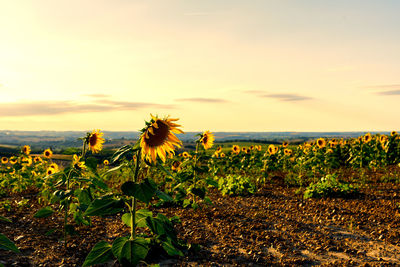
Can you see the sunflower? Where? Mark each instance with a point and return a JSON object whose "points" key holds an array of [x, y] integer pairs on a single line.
{"points": [[207, 139], [48, 153], [13, 160], [13, 172], [259, 148], [54, 166], [106, 162], [50, 171], [287, 152], [185, 155], [235, 149], [37, 159], [367, 138], [271, 149], [95, 141], [222, 155], [176, 165], [158, 138], [321, 142], [26, 150], [393, 133], [329, 151], [27, 160], [251, 147], [77, 163], [383, 138], [4, 160], [285, 144], [218, 150], [244, 149]]}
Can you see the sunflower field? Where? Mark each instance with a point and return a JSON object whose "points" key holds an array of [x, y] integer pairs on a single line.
{"points": [[156, 203]]}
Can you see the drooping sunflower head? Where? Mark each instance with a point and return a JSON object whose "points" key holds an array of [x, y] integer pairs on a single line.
{"points": [[207, 139], [158, 138], [271, 149], [95, 141], [4, 160], [321, 142], [26, 150], [48, 153], [235, 149], [367, 138], [285, 144]]}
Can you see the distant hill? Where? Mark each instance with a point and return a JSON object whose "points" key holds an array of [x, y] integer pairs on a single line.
{"points": [[63, 139]]}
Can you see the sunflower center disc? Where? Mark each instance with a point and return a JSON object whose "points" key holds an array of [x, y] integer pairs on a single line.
{"points": [[160, 134]]}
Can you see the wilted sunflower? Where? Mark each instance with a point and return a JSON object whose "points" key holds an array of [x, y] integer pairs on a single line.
{"points": [[367, 138], [207, 139], [235, 149], [271, 149], [95, 141], [158, 138], [321, 142], [106, 162], [287, 152], [285, 144], [48, 153], [26, 150], [4, 160]]}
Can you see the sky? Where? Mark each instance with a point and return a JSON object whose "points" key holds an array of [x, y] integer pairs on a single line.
{"points": [[218, 65]]}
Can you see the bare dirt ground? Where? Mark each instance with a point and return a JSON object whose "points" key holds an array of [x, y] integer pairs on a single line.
{"points": [[273, 227]]}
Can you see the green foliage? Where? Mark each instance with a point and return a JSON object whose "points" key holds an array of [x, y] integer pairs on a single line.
{"points": [[6, 244], [44, 212], [329, 186], [237, 185]]}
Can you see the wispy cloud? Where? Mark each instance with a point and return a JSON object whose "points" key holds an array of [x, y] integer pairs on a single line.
{"points": [[202, 100], [287, 97], [391, 92], [45, 108], [385, 89], [281, 97], [383, 86]]}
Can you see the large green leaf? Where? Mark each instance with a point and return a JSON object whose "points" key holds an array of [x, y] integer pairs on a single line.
{"points": [[91, 162], [140, 220], [6, 244], [104, 206], [130, 252], [143, 191], [44, 212], [171, 249], [100, 253]]}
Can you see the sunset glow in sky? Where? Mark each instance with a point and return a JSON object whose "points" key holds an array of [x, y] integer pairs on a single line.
{"points": [[267, 65]]}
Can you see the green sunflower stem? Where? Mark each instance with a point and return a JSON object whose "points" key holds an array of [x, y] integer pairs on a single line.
{"points": [[133, 209]]}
